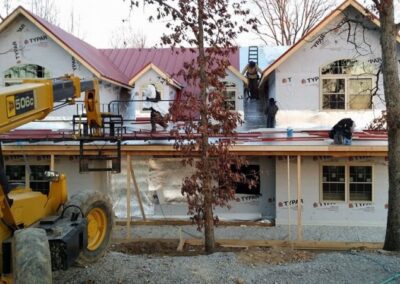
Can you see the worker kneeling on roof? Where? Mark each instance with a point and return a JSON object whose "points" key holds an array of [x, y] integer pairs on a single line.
{"points": [[342, 132], [152, 98]]}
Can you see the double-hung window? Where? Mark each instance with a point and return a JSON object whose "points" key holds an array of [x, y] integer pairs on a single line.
{"points": [[347, 183], [347, 85]]}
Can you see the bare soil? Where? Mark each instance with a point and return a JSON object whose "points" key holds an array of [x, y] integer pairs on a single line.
{"points": [[257, 255]]}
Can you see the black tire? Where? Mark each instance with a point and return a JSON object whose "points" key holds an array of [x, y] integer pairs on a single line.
{"points": [[89, 201], [31, 257]]}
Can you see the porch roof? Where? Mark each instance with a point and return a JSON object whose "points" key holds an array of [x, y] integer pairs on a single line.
{"points": [[274, 142]]}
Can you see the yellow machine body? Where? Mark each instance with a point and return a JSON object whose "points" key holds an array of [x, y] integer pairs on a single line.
{"points": [[21, 104]]}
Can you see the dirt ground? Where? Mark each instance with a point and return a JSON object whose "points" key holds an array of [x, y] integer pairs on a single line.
{"points": [[254, 255]]}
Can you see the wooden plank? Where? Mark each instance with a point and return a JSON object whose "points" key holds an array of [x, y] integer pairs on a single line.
{"points": [[52, 163], [289, 198], [299, 205], [308, 245], [128, 196], [137, 190], [175, 222], [180, 245]]}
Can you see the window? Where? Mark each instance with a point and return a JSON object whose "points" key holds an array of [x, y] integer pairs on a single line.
{"points": [[347, 84], [20, 174], [360, 183], [346, 183], [230, 96], [24, 71], [251, 172], [333, 183]]}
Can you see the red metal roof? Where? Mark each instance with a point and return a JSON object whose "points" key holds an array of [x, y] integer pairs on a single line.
{"points": [[92, 56], [132, 60], [263, 137]]}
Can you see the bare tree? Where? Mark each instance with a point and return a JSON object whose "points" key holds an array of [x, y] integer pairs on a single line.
{"points": [[46, 9], [199, 24], [73, 25], [126, 37], [391, 84], [5, 8], [284, 22]]}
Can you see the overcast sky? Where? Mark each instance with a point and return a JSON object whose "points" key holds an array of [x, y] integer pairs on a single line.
{"points": [[98, 20]]}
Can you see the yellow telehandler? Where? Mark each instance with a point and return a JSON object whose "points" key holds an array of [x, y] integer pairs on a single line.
{"points": [[41, 232]]}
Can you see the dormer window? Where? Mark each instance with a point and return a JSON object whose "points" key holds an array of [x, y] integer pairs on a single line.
{"points": [[347, 85]]}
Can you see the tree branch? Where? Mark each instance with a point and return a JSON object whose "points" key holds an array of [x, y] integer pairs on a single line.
{"points": [[176, 11]]}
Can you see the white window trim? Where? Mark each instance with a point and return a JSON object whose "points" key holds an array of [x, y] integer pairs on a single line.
{"points": [[346, 181], [346, 95]]}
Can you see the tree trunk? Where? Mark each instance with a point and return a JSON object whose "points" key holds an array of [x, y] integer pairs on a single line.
{"points": [[391, 85], [206, 179]]}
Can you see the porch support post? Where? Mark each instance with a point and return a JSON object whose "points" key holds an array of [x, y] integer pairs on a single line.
{"points": [[52, 162], [299, 205], [289, 209], [128, 196]]}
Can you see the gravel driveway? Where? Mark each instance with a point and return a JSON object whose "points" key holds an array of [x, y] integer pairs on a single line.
{"points": [[332, 267], [227, 267]]}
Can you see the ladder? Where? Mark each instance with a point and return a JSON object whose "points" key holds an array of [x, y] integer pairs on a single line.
{"points": [[253, 54]]}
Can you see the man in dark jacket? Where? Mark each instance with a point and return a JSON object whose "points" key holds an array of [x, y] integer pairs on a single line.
{"points": [[270, 111], [342, 132]]}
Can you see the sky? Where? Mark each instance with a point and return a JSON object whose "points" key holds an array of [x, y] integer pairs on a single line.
{"points": [[99, 20]]}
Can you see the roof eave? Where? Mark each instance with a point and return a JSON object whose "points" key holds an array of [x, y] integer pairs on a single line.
{"points": [[238, 74], [162, 74]]}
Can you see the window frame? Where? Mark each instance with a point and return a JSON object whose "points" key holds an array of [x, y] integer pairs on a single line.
{"points": [[347, 181], [8, 81], [347, 78], [231, 87], [27, 181]]}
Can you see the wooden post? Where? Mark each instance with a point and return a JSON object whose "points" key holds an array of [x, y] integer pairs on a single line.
{"points": [[299, 223], [52, 163], [138, 196], [288, 186], [128, 196]]}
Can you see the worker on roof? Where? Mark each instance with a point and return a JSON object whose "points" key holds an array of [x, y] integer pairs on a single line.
{"points": [[342, 132], [252, 71], [270, 111], [152, 97]]}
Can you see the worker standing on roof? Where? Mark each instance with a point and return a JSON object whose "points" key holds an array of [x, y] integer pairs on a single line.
{"points": [[152, 97], [270, 111], [251, 71]]}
